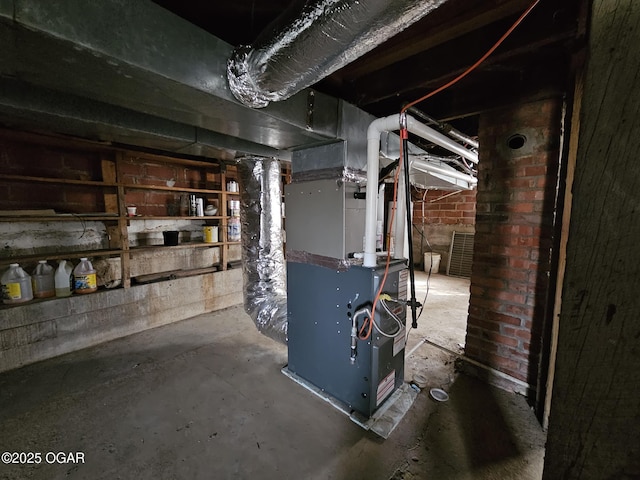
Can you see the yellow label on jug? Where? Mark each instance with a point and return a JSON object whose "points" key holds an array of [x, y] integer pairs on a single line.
{"points": [[12, 291], [85, 282]]}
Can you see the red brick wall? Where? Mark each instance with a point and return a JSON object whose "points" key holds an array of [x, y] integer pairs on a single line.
{"points": [[514, 226], [436, 217], [19, 158], [144, 171], [24, 158], [431, 208]]}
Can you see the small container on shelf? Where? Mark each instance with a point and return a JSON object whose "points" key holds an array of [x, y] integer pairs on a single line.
{"points": [[234, 208], [193, 205], [43, 281], [16, 285], [170, 237], [210, 234], [233, 229], [210, 211], [62, 279], [84, 277]]}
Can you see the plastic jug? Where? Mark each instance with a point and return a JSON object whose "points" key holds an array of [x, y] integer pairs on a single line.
{"points": [[84, 277], [42, 280], [62, 279], [16, 285]]}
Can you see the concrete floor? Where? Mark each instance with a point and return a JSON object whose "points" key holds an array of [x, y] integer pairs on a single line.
{"points": [[205, 399]]}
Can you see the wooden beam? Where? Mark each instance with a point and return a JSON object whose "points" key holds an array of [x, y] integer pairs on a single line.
{"points": [[434, 69], [435, 29], [564, 236]]}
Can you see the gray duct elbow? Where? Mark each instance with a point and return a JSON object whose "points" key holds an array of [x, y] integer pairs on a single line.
{"points": [[263, 264], [308, 44]]}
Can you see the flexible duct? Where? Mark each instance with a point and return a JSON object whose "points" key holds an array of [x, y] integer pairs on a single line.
{"points": [[265, 297], [311, 43]]}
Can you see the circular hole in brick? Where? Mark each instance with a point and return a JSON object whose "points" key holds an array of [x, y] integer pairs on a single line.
{"points": [[517, 141]]}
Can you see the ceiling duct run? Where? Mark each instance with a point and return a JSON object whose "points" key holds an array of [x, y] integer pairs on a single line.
{"points": [[307, 44]]}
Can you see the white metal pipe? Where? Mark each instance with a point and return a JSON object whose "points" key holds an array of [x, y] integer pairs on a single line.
{"points": [[436, 137], [400, 216], [389, 124], [427, 167], [374, 131]]}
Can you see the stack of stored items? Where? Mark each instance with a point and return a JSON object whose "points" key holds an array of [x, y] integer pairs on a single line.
{"points": [[19, 287]]}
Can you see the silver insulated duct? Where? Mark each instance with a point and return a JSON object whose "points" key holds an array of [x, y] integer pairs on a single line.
{"points": [[265, 297], [307, 45]]}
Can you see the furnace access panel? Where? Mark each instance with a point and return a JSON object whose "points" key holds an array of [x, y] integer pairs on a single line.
{"points": [[321, 305]]}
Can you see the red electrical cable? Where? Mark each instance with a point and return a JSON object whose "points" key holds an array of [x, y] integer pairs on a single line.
{"points": [[475, 65], [368, 323]]}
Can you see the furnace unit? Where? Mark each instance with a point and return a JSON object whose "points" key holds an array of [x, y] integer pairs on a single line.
{"points": [[333, 346], [322, 303]]}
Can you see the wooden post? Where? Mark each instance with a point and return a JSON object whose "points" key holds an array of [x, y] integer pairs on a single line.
{"points": [[593, 423], [123, 233], [222, 210]]}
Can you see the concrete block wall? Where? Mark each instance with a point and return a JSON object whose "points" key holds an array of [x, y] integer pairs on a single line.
{"points": [[41, 330], [436, 215], [518, 171]]}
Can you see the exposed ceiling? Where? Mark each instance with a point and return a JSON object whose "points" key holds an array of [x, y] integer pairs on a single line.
{"points": [[137, 73], [429, 53]]}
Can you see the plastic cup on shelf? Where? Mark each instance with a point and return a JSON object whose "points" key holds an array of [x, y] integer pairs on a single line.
{"points": [[131, 210]]}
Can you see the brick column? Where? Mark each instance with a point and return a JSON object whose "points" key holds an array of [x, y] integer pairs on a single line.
{"points": [[517, 178]]}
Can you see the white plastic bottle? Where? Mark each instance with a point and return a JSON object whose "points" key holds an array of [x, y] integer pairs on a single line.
{"points": [[84, 277], [63, 279], [16, 285], [42, 280]]}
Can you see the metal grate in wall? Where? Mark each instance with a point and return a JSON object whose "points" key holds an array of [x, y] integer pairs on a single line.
{"points": [[460, 255]]}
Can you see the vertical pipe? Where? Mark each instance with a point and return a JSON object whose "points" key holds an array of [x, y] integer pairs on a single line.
{"points": [[390, 124], [376, 127], [404, 134]]}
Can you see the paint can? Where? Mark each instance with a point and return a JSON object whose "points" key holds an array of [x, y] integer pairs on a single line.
{"points": [[210, 234]]}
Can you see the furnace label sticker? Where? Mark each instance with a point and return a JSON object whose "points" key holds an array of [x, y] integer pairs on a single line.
{"points": [[398, 342], [403, 285], [385, 387]]}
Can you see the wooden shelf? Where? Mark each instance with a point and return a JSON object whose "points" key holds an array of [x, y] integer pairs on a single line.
{"points": [[63, 181], [173, 247], [132, 186], [60, 256], [64, 217], [118, 171], [174, 217]]}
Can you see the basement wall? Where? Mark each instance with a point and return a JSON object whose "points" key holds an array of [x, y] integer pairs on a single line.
{"points": [[512, 249], [44, 329], [436, 215], [46, 173]]}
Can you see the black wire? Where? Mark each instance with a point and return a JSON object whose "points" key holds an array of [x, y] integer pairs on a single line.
{"points": [[430, 269], [384, 172], [407, 189]]}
